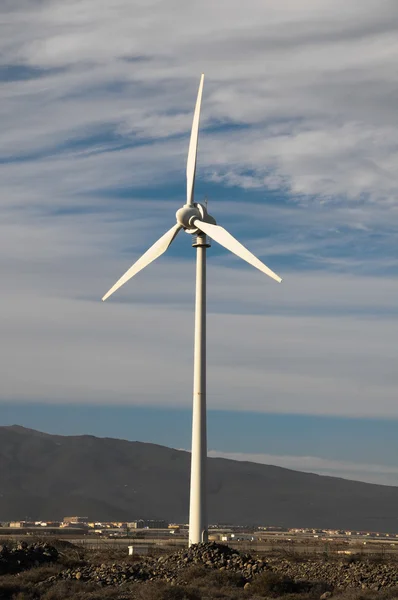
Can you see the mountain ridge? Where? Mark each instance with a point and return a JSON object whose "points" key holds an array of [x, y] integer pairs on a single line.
{"points": [[47, 476]]}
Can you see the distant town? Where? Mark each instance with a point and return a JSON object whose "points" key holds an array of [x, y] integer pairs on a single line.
{"points": [[161, 531]]}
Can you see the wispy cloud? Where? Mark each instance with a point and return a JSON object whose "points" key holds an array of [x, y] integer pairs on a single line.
{"points": [[314, 85], [63, 344], [300, 115], [379, 474]]}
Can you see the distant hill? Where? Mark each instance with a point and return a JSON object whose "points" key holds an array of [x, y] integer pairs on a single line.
{"points": [[46, 476]]}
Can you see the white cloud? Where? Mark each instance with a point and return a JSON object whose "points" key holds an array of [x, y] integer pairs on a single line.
{"points": [[314, 82], [105, 104], [379, 474], [314, 345]]}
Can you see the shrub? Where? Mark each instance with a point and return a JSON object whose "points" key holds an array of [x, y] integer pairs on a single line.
{"points": [[76, 590], [200, 576], [273, 585], [194, 573], [356, 594], [38, 574], [164, 591], [9, 588]]}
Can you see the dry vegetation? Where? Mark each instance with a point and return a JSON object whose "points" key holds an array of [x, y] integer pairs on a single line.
{"points": [[196, 582]]}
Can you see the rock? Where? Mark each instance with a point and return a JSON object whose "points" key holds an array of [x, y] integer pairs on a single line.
{"points": [[211, 556], [25, 556]]}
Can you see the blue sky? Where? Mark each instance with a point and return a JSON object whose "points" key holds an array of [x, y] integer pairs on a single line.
{"points": [[298, 158]]}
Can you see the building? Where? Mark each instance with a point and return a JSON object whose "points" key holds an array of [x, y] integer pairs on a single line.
{"points": [[74, 520], [148, 524], [22, 524]]}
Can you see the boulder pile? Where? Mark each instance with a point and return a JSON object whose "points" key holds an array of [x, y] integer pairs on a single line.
{"points": [[340, 573], [25, 556], [167, 568], [212, 556]]}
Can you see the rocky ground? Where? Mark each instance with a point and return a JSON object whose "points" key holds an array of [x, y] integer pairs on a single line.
{"points": [[25, 556], [204, 564], [339, 574], [171, 568]]}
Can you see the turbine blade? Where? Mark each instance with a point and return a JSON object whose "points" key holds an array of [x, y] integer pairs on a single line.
{"points": [[156, 250], [193, 145], [222, 237]]}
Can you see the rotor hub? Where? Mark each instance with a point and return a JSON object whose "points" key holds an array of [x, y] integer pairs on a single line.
{"points": [[187, 214]]}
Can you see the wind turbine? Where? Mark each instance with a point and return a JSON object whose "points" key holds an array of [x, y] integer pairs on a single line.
{"points": [[194, 219]]}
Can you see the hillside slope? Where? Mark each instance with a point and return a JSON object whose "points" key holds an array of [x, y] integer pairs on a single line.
{"points": [[47, 476]]}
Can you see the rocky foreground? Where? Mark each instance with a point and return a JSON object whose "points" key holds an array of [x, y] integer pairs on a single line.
{"points": [[25, 556], [172, 568], [178, 568]]}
